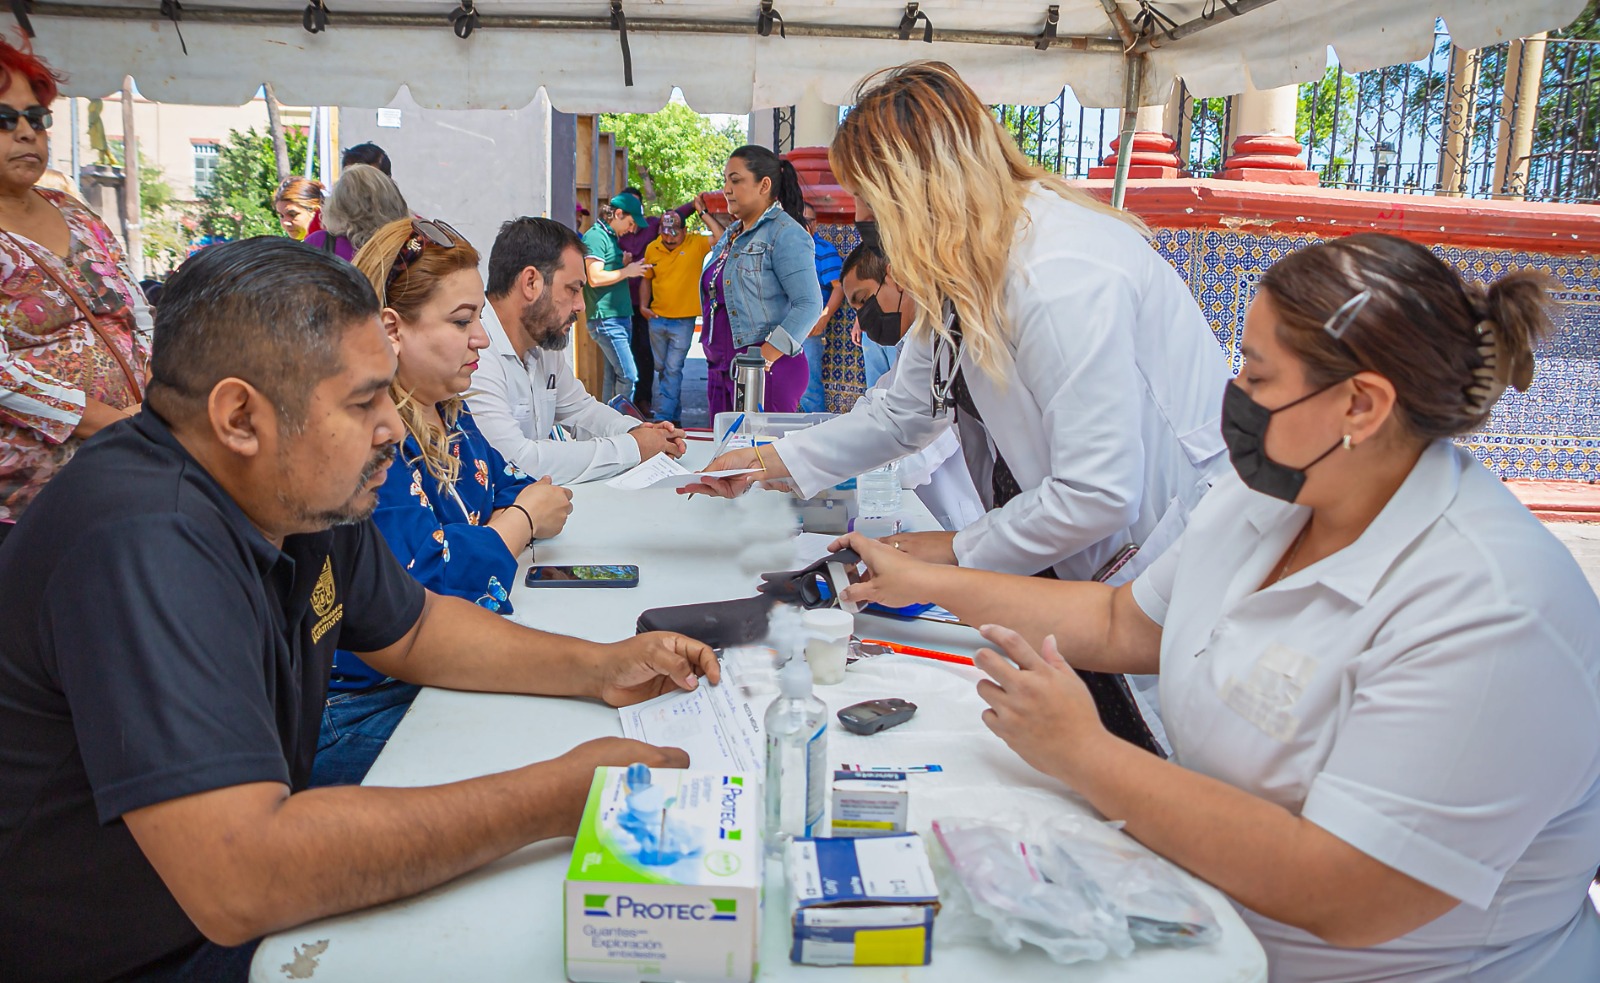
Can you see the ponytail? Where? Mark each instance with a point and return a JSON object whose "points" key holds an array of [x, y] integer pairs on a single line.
{"points": [[790, 196], [786, 191]]}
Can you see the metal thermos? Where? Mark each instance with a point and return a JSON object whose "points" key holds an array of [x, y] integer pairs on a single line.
{"points": [[749, 382]]}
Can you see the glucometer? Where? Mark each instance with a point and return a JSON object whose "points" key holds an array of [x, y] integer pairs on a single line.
{"points": [[875, 715]]}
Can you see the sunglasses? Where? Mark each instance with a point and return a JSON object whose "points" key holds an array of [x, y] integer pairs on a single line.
{"points": [[423, 233], [38, 117]]}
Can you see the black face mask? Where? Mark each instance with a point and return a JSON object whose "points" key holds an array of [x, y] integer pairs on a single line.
{"points": [[1244, 430], [882, 326], [868, 231]]}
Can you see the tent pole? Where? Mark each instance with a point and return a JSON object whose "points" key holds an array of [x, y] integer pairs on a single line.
{"points": [[1221, 15], [1132, 95], [1120, 22]]}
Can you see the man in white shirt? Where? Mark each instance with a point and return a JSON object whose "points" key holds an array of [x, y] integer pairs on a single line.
{"points": [[524, 386]]}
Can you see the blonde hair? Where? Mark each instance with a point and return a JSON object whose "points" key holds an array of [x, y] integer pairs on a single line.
{"points": [[947, 185], [406, 295]]}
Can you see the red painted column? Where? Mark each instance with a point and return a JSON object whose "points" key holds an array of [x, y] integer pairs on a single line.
{"points": [[1268, 158], [1152, 157]]}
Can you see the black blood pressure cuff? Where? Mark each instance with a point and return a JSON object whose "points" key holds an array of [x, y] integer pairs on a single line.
{"points": [[719, 624], [812, 587], [740, 622]]}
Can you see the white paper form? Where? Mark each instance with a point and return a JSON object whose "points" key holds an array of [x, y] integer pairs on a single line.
{"points": [[662, 471], [720, 726]]}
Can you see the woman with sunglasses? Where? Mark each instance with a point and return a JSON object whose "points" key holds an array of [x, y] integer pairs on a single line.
{"points": [[74, 329], [1379, 672], [454, 512]]}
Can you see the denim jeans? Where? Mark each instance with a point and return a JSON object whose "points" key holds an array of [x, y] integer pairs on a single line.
{"points": [[670, 338], [815, 398], [355, 727], [614, 335], [876, 358]]}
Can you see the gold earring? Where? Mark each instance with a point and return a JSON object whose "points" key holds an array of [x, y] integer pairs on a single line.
{"points": [[1347, 445]]}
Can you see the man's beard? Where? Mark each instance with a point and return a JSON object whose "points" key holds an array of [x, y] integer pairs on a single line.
{"points": [[350, 512], [541, 325]]}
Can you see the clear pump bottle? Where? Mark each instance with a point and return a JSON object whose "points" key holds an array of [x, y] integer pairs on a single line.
{"points": [[797, 758]]}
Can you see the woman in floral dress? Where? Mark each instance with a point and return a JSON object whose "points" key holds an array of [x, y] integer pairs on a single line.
{"points": [[74, 328]]}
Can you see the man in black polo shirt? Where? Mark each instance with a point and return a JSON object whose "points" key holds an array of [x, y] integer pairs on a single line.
{"points": [[171, 605]]}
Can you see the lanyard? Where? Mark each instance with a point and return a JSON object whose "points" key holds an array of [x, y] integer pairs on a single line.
{"points": [[946, 357]]}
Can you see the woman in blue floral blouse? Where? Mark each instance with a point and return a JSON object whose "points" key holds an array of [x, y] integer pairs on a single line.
{"points": [[454, 512]]}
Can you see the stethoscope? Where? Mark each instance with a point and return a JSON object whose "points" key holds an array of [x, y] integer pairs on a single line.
{"points": [[946, 358]]}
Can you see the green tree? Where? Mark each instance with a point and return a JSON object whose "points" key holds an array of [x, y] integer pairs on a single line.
{"points": [[673, 154], [239, 203]]}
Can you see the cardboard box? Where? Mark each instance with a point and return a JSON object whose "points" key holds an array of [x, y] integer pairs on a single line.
{"points": [[870, 803], [665, 879], [861, 902]]}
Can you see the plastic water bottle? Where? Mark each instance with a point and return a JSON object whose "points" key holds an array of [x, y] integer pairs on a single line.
{"points": [[878, 501], [797, 759]]}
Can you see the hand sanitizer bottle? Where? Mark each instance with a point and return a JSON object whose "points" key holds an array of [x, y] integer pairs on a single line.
{"points": [[797, 759]]}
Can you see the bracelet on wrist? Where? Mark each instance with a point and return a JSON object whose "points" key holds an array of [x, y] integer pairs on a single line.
{"points": [[525, 515]]}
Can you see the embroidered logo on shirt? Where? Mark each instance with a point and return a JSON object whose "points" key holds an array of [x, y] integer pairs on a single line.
{"points": [[324, 598], [1275, 684]]}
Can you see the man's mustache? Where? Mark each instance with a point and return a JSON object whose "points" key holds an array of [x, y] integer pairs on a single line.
{"points": [[380, 460]]}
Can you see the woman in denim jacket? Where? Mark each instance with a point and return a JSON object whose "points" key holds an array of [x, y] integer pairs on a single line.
{"points": [[759, 288]]}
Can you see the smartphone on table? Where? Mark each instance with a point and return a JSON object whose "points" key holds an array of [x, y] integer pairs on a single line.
{"points": [[581, 575]]}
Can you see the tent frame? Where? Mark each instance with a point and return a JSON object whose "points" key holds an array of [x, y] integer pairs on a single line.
{"points": [[1132, 44]]}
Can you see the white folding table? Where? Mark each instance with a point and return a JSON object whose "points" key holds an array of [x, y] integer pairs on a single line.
{"points": [[504, 921]]}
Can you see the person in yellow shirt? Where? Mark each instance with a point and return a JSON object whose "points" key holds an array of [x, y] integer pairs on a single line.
{"points": [[669, 298]]}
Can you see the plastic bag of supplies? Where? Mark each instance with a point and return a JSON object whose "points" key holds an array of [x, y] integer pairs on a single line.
{"points": [[1078, 889]]}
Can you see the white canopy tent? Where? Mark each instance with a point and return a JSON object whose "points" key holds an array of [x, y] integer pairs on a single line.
{"points": [[727, 57]]}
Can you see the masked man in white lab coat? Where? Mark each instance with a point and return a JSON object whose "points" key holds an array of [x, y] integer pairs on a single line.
{"points": [[524, 396]]}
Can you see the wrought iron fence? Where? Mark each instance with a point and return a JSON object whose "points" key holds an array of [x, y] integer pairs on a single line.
{"points": [[783, 129], [1520, 118]]}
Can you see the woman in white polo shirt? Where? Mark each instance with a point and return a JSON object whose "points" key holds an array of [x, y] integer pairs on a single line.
{"points": [[1377, 670]]}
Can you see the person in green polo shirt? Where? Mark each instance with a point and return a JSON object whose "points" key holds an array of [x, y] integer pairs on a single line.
{"points": [[609, 309]]}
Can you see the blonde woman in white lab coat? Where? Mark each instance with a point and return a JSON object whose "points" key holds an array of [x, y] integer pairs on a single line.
{"points": [[1380, 674], [1042, 313]]}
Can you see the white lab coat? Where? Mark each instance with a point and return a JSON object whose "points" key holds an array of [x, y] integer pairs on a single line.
{"points": [[517, 402], [1429, 694], [1107, 413], [937, 474]]}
